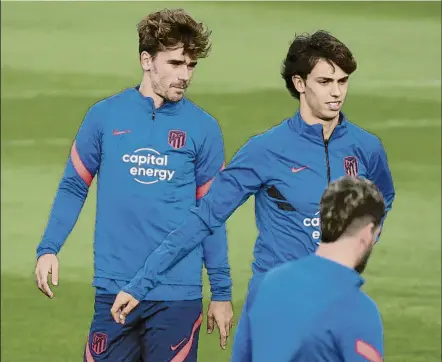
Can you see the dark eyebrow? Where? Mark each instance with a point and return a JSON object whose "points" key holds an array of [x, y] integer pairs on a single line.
{"points": [[176, 62], [331, 79], [181, 62]]}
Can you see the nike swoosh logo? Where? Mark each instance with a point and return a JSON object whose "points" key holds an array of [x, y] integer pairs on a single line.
{"points": [[298, 169], [173, 348], [116, 133]]}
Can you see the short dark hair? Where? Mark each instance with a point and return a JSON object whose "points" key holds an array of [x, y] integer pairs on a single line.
{"points": [[305, 52], [169, 29], [347, 205]]}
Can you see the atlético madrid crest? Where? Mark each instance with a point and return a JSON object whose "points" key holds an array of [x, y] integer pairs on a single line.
{"points": [[99, 342], [351, 166], [177, 139]]}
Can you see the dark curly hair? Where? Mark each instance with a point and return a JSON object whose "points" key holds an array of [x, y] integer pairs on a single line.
{"points": [[348, 204], [306, 50], [169, 29]]}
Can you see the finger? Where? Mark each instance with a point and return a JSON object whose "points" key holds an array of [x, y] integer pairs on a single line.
{"points": [[210, 323], [44, 285], [227, 328], [131, 305], [222, 335], [54, 272], [116, 308]]}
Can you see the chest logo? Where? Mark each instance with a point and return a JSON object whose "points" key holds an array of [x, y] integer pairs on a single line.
{"points": [[351, 166], [297, 169], [148, 166], [116, 132], [177, 139]]}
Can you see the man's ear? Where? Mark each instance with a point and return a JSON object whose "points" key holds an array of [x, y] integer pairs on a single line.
{"points": [[146, 61], [368, 234], [299, 84]]}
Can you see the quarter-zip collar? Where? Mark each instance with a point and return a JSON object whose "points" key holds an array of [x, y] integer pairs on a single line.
{"points": [[166, 108], [314, 132]]}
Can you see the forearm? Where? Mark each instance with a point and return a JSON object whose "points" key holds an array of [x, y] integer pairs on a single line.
{"points": [[220, 283], [66, 208], [172, 250], [217, 265], [230, 189]]}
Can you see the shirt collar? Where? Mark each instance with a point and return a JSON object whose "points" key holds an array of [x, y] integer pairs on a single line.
{"points": [[314, 131], [166, 108], [341, 272]]}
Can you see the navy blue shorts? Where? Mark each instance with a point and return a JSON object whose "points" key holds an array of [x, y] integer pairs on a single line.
{"points": [[154, 332]]}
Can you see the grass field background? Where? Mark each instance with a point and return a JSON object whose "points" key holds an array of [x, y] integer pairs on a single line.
{"points": [[58, 58]]}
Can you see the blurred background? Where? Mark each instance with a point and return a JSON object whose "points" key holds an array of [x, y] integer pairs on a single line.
{"points": [[58, 58]]}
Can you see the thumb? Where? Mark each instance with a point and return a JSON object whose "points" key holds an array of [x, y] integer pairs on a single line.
{"points": [[210, 323]]}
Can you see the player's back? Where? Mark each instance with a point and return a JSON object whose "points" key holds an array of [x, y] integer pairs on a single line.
{"points": [[305, 311]]}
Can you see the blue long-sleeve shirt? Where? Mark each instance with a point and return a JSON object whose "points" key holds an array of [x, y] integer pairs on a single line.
{"points": [[313, 310], [287, 168], [152, 166]]}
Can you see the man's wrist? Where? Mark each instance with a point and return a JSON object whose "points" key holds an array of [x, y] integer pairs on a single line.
{"points": [[45, 251], [224, 297], [134, 290]]}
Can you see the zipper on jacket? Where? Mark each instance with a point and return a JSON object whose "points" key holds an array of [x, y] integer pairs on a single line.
{"points": [[327, 159]]}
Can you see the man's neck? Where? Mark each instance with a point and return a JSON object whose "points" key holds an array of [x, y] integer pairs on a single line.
{"points": [[147, 91], [327, 126], [339, 251]]}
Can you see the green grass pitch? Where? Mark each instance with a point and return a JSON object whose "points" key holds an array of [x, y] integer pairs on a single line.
{"points": [[58, 58]]}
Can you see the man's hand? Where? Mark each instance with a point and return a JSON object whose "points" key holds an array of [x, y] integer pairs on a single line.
{"points": [[123, 305], [46, 264], [220, 313]]}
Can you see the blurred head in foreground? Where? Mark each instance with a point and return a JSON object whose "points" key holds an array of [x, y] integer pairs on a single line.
{"points": [[351, 212], [170, 44]]}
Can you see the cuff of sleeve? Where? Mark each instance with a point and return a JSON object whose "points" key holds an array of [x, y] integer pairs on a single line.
{"points": [[45, 251], [135, 291], [221, 294], [222, 297]]}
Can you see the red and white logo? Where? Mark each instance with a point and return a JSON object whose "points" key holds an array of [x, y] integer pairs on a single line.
{"points": [[351, 166], [99, 342], [177, 139]]}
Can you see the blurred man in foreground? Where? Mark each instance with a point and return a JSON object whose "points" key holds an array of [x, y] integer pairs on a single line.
{"points": [[313, 309]]}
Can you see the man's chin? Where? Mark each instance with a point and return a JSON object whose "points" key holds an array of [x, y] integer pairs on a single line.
{"points": [[176, 96], [329, 115]]}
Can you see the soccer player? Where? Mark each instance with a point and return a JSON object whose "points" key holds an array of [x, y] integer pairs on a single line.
{"points": [[156, 154], [287, 168], [313, 309]]}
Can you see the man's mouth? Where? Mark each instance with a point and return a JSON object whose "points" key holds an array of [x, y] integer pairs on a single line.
{"points": [[334, 105]]}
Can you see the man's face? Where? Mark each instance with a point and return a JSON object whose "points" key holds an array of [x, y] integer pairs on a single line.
{"points": [[170, 73], [324, 90]]}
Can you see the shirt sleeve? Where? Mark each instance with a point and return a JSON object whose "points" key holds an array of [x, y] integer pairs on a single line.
{"points": [[80, 169], [210, 161], [380, 175], [361, 334], [232, 186]]}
